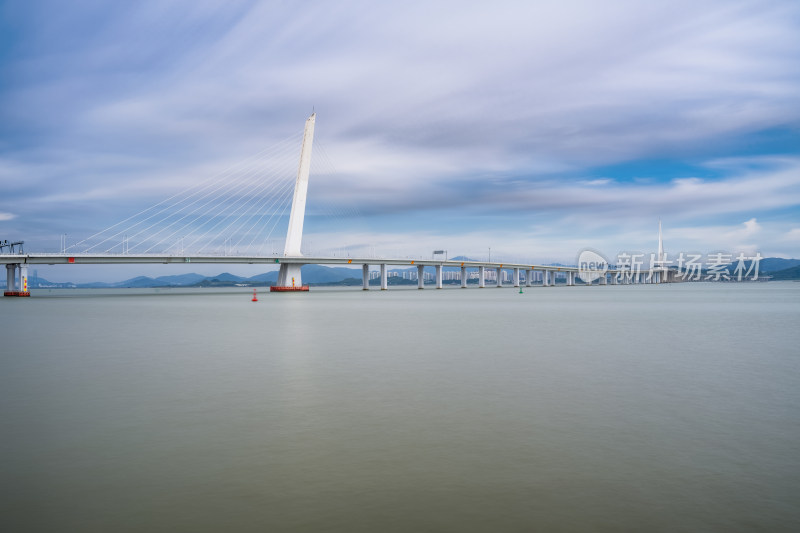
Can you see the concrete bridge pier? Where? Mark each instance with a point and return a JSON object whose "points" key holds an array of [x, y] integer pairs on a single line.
{"points": [[499, 276], [570, 279], [481, 276], [420, 276], [603, 280], [614, 278], [11, 277], [12, 289], [365, 276], [384, 278], [463, 277], [528, 277], [516, 277], [438, 276]]}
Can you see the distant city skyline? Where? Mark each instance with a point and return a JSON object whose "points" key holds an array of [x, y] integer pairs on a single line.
{"points": [[534, 129]]}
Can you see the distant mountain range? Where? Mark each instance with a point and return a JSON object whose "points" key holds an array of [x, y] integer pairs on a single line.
{"points": [[312, 274], [776, 264], [776, 268], [787, 273]]}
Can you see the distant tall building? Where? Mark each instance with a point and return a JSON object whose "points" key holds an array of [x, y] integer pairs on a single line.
{"points": [[660, 268]]}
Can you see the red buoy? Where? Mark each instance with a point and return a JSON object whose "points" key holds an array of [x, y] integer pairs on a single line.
{"points": [[254, 296]]}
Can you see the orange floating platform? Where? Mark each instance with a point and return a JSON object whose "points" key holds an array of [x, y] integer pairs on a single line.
{"points": [[22, 294], [301, 288]]}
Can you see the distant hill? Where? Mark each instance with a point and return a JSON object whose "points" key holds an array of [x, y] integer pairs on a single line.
{"points": [[786, 274], [775, 264], [225, 276], [266, 277], [323, 274], [141, 281], [181, 279]]}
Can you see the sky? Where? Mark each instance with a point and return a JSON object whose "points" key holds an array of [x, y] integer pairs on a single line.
{"points": [[534, 129]]}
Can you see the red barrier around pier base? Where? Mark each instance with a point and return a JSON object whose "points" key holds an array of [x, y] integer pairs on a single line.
{"points": [[301, 288]]}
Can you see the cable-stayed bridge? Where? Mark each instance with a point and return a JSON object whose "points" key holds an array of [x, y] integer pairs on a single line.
{"points": [[231, 219]]}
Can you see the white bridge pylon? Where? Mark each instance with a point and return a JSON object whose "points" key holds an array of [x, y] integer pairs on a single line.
{"points": [[289, 276]]}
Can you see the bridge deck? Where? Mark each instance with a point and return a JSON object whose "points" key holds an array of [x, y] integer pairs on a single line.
{"points": [[108, 259]]}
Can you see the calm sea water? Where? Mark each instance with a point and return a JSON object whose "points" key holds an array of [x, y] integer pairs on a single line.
{"points": [[646, 408]]}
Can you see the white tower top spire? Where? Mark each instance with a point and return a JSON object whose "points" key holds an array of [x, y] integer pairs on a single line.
{"points": [[294, 235]]}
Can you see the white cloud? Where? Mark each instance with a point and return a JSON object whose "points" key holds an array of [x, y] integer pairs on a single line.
{"points": [[445, 109], [793, 234], [596, 182], [7, 216], [751, 227]]}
